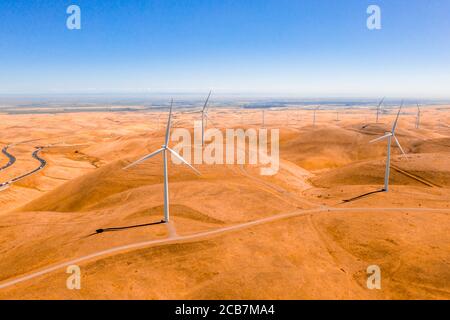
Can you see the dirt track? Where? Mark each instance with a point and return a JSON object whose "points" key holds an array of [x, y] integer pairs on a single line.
{"points": [[199, 236]]}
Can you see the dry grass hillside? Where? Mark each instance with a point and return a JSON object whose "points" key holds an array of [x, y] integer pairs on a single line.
{"points": [[308, 232]]}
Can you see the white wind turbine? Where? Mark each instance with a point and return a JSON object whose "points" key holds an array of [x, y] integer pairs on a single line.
{"points": [[378, 108], [263, 118], [205, 118], [389, 136], [418, 117], [314, 116], [165, 150]]}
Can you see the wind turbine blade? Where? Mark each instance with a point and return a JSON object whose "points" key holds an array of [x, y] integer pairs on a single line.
{"points": [[206, 116], [396, 119], [143, 158], [381, 102], [381, 138], [398, 144], [206, 102], [184, 161], [378, 108], [168, 124], [191, 112]]}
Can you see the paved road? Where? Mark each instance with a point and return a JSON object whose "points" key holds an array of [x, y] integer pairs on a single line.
{"points": [[11, 158], [42, 164], [199, 236]]}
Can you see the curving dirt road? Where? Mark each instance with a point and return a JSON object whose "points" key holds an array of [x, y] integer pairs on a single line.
{"points": [[198, 236]]}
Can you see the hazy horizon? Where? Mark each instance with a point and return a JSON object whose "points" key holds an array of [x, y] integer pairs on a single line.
{"points": [[195, 99]]}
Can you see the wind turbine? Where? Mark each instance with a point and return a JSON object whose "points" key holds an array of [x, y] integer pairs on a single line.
{"points": [[165, 150], [418, 117], [314, 116], [263, 118], [205, 118], [389, 136], [378, 108]]}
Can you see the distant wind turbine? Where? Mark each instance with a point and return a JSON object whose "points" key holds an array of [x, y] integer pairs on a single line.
{"points": [[165, 150], [389, 136], [205, 118], [314, 116], [263, 118], [418, 117], [379, 107]]}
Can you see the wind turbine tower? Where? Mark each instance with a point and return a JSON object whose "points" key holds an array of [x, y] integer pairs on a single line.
{"points": [[418, 117], [314, 116], [165, 150], [263, 118], [389, 136], [379, 108], [205, 118]]}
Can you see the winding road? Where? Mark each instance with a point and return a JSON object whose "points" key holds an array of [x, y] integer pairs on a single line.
{"points": [[35, 155], [11, 158]]}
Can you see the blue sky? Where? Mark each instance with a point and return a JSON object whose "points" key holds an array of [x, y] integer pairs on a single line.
{"points": [[293, 47]]}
